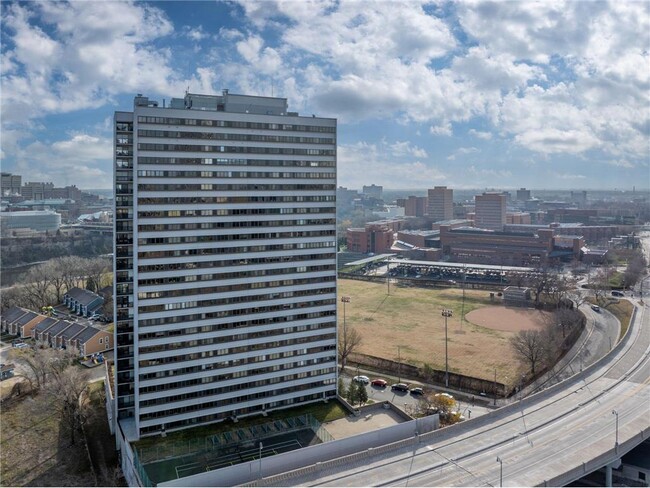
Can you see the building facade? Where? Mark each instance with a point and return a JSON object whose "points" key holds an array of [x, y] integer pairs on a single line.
{"points": [[225, 260], [441, 203], [490, 211], [10, 184], [415, 206], [374, 191]]}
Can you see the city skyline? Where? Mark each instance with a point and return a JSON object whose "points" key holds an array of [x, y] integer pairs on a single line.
{"points": [[467, 95]]}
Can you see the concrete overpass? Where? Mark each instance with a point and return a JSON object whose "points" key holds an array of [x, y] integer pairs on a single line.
{"points": [[552, 438]]}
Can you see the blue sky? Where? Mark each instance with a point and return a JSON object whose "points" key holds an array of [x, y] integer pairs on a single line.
{"points": [[468, 94]]}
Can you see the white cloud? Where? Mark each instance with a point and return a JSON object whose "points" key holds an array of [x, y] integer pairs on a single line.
{"points": [[443, 129], [97, 49], [463, 151], [489, 172], [402, 149], [82, 159], [357, 162], [568, 176], [196, 34], [486, 136]]}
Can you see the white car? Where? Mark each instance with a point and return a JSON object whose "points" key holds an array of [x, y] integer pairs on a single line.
{"points": [[361, 379]]}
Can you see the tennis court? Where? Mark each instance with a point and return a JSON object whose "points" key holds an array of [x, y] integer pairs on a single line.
{"points": [[242, 456], [234, 448]]}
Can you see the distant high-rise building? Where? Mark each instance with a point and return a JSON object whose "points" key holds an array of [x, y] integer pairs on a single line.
{"points": [[441, 203], [373, 191], [490, 211], [35, 190], [415, 206], [579, 197], [225, 261], [10, 184], [523, 195]]}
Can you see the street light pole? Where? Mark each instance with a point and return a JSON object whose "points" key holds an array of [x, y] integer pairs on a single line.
{"points": [[446, 313], [260, 460], [614, 412], [500, 461]]}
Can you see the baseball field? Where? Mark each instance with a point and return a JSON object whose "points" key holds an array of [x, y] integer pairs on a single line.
{"points": [[411, 318]]}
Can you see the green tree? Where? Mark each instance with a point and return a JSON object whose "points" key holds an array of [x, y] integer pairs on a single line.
{"points": [[351, 392], [362, 393]]}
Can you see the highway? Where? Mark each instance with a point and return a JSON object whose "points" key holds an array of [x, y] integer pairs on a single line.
{"points": [[543, 439]]}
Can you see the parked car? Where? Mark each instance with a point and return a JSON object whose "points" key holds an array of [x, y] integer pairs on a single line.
{"points": [[617, 293], [446, 395], [400, 387], [416, 391], [361, 379], [22, 345], [379, 382]]}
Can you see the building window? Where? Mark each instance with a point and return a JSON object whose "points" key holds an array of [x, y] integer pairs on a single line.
{"points": [[101, 340]]}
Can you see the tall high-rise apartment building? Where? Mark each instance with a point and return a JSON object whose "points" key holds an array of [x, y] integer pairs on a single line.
{"points": [[374, 191], [490, 211], [441, 203], [523, 195], [225, 260], [10, 184]]}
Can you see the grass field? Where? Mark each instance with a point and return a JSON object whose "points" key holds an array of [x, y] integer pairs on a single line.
{"points": [[411, 318], [35, 451]]}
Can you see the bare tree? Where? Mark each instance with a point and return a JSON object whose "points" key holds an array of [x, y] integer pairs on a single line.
{"points": [[349, 340], [37, 289], [95, 270], [41, 363], [56, 271], [600, 286], [13, 297], [67, 389], [635, 269], [539, 281], [72, 272], [557, 288], [530, 346]]}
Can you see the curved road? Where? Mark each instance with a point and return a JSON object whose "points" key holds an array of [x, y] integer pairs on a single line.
{"points": [[544, 439]]}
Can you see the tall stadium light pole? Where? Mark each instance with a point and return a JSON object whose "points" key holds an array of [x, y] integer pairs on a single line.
{"points": [[260, 459], [388, 277], [446, 313], [345, 299]]}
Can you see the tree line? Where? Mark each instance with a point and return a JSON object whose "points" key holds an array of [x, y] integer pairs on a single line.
{"points": [[47, 283]]}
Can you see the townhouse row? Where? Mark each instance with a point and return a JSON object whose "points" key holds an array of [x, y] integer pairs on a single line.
{"points": [[55, 332]]}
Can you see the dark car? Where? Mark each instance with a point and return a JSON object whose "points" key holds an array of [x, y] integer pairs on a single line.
{"points": [[417, 391], [618, 293], [400, 387]]}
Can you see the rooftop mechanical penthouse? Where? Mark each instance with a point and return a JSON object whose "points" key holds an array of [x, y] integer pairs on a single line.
{"points": [[225, 264]]}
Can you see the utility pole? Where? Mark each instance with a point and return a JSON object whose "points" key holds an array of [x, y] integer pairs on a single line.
{"points": [[495, 386], [446, 313]]}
